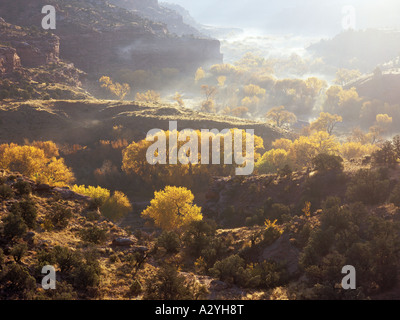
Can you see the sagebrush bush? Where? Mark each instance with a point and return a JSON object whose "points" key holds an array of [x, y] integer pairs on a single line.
{"points": [[169, 240], [19, 251], [14, 226], [28, 211], [369, 187], [17, 282], [6, 192], [94, 235], [198, 236], [23, 187], [59, 216], [65, 258]]}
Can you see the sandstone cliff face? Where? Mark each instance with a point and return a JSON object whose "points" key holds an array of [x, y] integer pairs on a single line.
{"points": [[152, 10], [32, 49], [38, 52], [98, 37], [9, 60]]}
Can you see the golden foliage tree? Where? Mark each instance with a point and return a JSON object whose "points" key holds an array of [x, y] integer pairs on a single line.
{"points": [[114, 207], [148, 96], [135, 161], [344, 76], [178, 98], [200, 74], [273, 160], [299, 153], [326, 122], [279, 116], [173, 208], [239, 111], [32, 162], [354, 150], [221, 81], [120, 90]]}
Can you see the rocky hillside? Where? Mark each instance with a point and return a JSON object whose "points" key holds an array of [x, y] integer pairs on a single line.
{"points": [[30, 66], [93, 257], [382, 87], [363, 50], [88, 121], [63, 222], [152, 10], [98, 37]]}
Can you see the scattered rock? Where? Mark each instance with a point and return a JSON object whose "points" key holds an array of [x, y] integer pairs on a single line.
{"points": [[68, 194], [123, 242], [141, 249], [42, 188]]}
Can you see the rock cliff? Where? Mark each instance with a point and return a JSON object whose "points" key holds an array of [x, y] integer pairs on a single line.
{"points": [[9, 60], [32, 48], [97, 36]]}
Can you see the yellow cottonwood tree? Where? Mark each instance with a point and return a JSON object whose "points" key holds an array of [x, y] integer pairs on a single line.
{"points": [[173, 208], [326, 122], [114, 207], [354, 150], [120, 90], [32, 162], [200, 74], [279, 116], [148, 96]]}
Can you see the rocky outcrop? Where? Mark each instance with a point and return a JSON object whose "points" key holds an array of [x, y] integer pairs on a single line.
{"points": [[38, 52], [9, 60], [152, 10], [28, 49], [98, 37]]}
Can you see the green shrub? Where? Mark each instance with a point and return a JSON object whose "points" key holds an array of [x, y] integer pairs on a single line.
{"points": [[65, 258], [326, 162], [14, 226], [85, 276], [229, 270], [277, 211], [6, 191], [169, 240], [198, 236], [23, 187], [17, 282], [28, 211], [93, 215], [395, 196], [18, 252], [168, 284], [59, 216], [369, 187], [63, 292], [45, 258], [94, 235]]}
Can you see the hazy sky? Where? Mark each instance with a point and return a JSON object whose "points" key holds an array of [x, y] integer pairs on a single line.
{"points": [[307, 16]]}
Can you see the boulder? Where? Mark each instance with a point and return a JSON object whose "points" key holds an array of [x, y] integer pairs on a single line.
{"points": [[68, 194], [9, 60], [123, 242], [42, 188]]}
